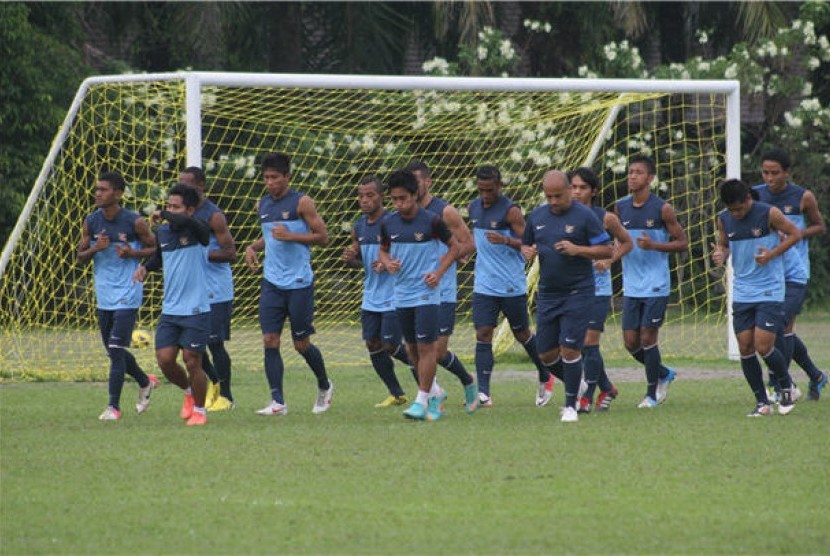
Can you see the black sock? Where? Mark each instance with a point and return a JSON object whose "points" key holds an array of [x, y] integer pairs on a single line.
{"points": [[222, 364], [453, 365], [315, 361], [385, 368], [134, 370], [401, 355], [803, 360], [754, 377], [274, 371], [573, 376], [776, 363], [118, 364], [484, 365], [593, 368], [530, 348], [651, 355], [208, 368], [555, 368]]}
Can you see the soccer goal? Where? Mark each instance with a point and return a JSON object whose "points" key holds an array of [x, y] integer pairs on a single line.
{"points": [[338, 128]]}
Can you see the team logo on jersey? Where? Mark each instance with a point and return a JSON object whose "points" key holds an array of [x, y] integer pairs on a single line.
{"points": [[569, 228], [183, 240], [756, 232], [419, 236], [377, 238], [285, 214], [122, 237], [494, 224], [788, 209], [650, 223]]}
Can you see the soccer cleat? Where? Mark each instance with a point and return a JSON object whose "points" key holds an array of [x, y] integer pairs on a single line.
{"points": [[663, 385], [761, 410], [187, 407], [273, 408], [144, 394], [323, 401], [773, 395], [484, 400], [212, 394], [569, 415], [816, 387], [390, 401], [196, 419], [435, 409], [795, 393], [583, 405], [543, 394], [222, 404], [471, 397], [787, 402], [110, 414], [416, 411], [605, 398], [583, 387], [647, 403]]}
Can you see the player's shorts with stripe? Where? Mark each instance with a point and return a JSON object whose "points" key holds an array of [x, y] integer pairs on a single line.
{"points": [[220, 321], [644, 312], [766, 315], [598, 312], [419, 325], [486, 310], [381, 325], [117, 327], [189, 332], [561, 320], [277, 304]]}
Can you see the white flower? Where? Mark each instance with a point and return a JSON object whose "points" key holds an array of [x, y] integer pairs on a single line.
{"points": [[793, 121], [516, 156], [702, 37], [526, 23], [813, 62], [807, 89], [506, 50], [548, 27], [482, 52], [731, 71], [678, 135], [811, 104]]}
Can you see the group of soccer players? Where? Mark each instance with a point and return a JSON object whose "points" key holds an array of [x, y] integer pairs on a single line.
{"points": [[409, 258]]}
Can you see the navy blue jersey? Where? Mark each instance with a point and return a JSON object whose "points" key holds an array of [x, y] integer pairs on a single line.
{"points": [[114, 287], [560, 273], [415, 243], [219, 276], [184, 260], [499, 268], [753, 283], [645, 271], [602, 279], [378, 287], [449, 282], [287, 263], [788, 201]]}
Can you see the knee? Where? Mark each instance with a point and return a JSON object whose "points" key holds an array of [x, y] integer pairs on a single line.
{"points": [[302, 345], [374, 345], [271, 341], [522, 335], [484, 334]]}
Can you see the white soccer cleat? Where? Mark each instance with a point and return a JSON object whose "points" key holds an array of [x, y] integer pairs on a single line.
{"points": [[569, 415], [144, 394], [110, 414], [273, 408], [543, 395], [323, 402]]}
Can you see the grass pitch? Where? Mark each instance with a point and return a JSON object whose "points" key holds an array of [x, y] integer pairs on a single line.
{"points": [[692, 476]]}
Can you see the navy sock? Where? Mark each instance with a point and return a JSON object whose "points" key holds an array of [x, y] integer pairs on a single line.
{"points": [[134, 370], [118, 365], [530, 348], [784, 343], [573, 375], [208, 368], [651, 355], [222, 364], [401, 355], [453, 365], [593, 368], [604, 382], [314, 359], [638, 355], [274, 371], [484, 365], [776, 363], [754, 377], [385, 368], [803, 360]]}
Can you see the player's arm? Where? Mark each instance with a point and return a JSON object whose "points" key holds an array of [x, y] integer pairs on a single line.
{"points": [[227, 246], [622, 245], [251, 258], [145, 235], [460, 231], [385, 252], [678, 242], [317, 235], [86, 250], [199, 228], [809, 208], [351, 254], [720, 252], [516, 220], [443, 233], [152, 264], [528, 246], [780, 223]]}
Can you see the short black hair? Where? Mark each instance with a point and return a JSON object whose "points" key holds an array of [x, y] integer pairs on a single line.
{"points": [[777, 155], [403, 178], [734, 191], [280, 162], [419, 166], [197, 173], [115, 180], [587, 175], [651, 167], [371, 178], [488, 172], [190, 197]]}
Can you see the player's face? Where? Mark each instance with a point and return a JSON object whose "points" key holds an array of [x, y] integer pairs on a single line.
{"points": [[488, 190], [558, 194], [424, 183], [741, 209], [275, 182], [105, 194], [774, 175], [404, 202], [369, 198], [639, 177], [175, 204], [189, 179], [581, 191]]}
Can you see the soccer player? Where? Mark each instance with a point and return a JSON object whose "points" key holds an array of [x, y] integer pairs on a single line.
{"points": [[290, 226], [378, 317], [566, 236], [585, 186], [181, 254], [449, 283], [653, 226], [114, 238], [221, 253], [409, 251], [800, 206], [749, 230], [500, 285]]}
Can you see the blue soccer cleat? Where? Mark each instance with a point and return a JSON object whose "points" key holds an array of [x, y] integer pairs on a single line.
{"points": [[416, 411]]}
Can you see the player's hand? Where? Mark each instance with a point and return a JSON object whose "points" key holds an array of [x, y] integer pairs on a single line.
{"points": [[529, 252], [764, 256], [140, 274], [432, 279], [567, 248], [378, 266], [155, 218], [394, 266], [496, 238], [124, 251], [251, 259], [602, 265], [645, 241], [349, 254], [717, 255], [280, 232], [102, 241]]}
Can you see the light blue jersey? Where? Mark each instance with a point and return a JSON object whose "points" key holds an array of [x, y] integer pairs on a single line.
{"points": [[645, 271], [788, 201], [219, 275], [287, 263], [378, 287], [114, 287], [752, 282], [602, 280], [499, 268], [185, 262], [449, 282]]}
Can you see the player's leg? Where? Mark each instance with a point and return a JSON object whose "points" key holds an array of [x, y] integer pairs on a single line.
{"points": [[106, 321], [769, 322], [574, 318], [411, 335], [593, 363], [273, 309], [372, 324], [485, 318], [195, 331], [547, 341], [743, 324], [446, 358], [122, 331], [301, 314]]}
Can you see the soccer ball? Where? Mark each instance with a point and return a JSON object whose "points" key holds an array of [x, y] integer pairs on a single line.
{"points": [[141, 339]]}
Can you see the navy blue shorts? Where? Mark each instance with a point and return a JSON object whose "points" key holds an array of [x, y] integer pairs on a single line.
{"points": [[486, 309], [117, 327], [189, 332], [446, 319], [766, 315], [598, 312], [419, 325], [561, 320], [276, 304], [794, 294], [644, 312], [220, 322], [381, 326]]}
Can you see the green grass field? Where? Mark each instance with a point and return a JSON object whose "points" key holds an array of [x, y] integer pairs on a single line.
{"points": [[692, 476]]}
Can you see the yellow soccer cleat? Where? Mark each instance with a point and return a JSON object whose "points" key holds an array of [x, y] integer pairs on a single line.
{"points": [[212, 394], [222, 404], [392, 401]]}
